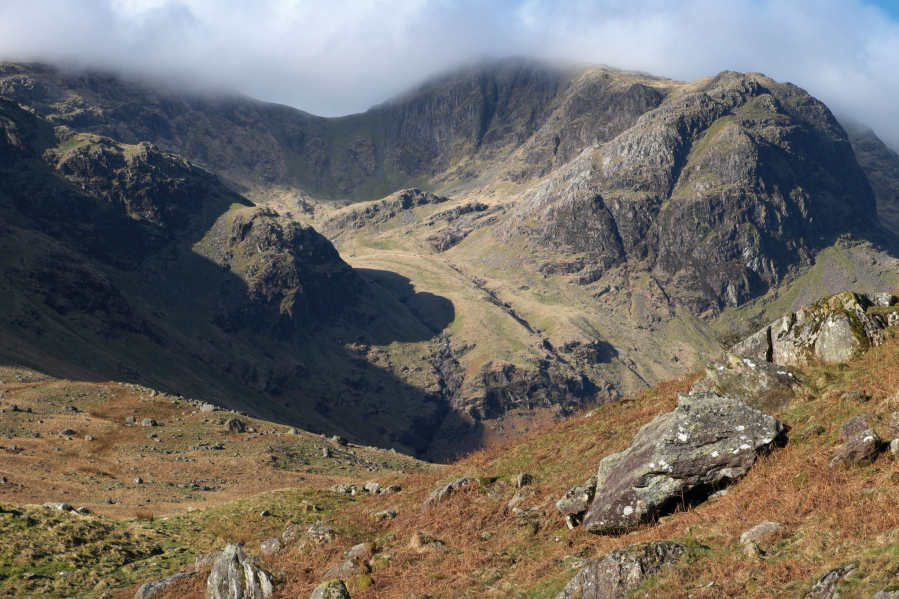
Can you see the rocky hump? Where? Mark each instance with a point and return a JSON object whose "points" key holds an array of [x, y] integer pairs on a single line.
{"points": [[707, 442]]}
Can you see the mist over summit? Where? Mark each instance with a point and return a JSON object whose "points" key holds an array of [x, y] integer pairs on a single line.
{"points": [[334, 61]]}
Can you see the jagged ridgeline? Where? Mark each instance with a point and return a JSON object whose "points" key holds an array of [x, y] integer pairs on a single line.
{"points": [[516, 240]]}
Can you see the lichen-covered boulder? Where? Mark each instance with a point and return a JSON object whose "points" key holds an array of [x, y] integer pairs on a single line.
{"points": [[832, 330], [861, 450], [576, 501], [826, 586], [444, 491], [334, 589], [622, 571], [151, 589], [235, 575], [706, 442], [347, 568], [759, 384], [855, 425]]}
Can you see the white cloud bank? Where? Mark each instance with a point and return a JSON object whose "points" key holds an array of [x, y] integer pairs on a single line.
{"points": [[333, 57]]}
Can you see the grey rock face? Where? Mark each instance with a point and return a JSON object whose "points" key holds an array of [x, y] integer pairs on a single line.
{"points": [[576, 501], [236, 576], [861, 450], [812, 430], [622, 570], [151, 589], [707, 441], [270, 547], [444, 491], [523, 480], [130, 420], [886, 595], [834, 329], [320, 533], [759, 384], [758, 531], [758, 345], [148, 422], [345, 569], [826, 586], [334, 589], [234, 425], [63, 507], [855, 425], [883, 300], [384, 515], [700, 156]]}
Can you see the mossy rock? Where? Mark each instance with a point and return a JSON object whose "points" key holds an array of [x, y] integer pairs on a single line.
{"points": [[359, 583]]}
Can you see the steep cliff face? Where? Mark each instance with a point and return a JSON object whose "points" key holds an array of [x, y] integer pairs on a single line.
{"points": [[455, 126], [881, 165], [720, 190]]}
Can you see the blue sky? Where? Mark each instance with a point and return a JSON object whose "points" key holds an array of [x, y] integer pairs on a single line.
{"points": [[891, 7], [333, 57]]}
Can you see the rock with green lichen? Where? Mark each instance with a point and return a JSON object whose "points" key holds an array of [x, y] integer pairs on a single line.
{"points": [[334, 589], [622, 571], [760, 384], [708, 441], [235, 575], [833, 330], [826, 586]]}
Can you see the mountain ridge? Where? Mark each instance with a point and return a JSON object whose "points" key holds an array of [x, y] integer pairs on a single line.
{"points": [[572, 236]]}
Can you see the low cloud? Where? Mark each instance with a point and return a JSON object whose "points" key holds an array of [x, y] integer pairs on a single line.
{"points": [[339, 57]]}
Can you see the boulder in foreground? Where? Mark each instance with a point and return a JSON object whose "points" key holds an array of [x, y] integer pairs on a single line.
{"points": [[859, 451], [151, 589], [708, 441], [235, 575], [622, 571], [334, 589]]}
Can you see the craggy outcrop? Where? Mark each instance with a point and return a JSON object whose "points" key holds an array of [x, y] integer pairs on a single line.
{"points": [[859, 451], [622, 571], [759, 384], [295, 278], [374, 213], [444, 491], [151, 589], [707, 442], [708, 188], [834, 329], [235, 575]]}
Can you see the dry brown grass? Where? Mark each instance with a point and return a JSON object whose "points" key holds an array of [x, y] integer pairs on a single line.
{"points": [[827, 521], [233, 532], [144, 515], [98, 471]]}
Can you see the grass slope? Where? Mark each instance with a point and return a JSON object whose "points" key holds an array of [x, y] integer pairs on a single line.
{"points": [[830, 517]]}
